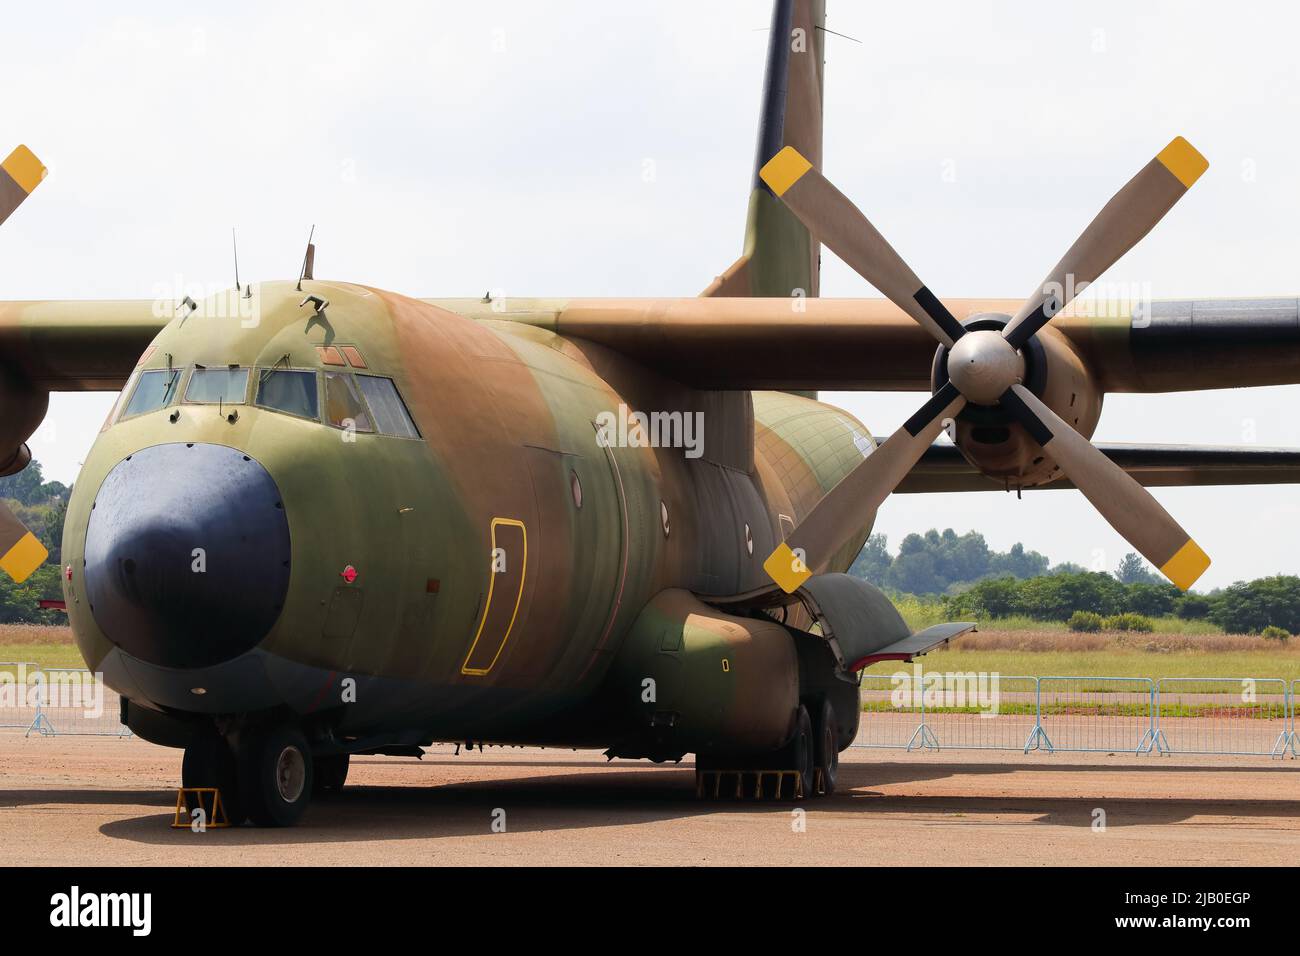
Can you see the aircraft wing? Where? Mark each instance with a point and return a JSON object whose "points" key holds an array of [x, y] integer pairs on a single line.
{"points": [[942, 467], [77, 346], [743, 343], [872, 345]]}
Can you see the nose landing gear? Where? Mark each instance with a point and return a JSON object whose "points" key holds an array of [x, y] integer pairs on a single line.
{"points": [[267, 777], [275, 775]]}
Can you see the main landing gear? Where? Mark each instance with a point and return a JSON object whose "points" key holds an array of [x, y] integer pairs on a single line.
{"points": [[264, 774], [805, 767]]}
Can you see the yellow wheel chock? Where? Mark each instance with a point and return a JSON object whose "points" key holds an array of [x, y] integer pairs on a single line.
{"points": [[216, 819]]}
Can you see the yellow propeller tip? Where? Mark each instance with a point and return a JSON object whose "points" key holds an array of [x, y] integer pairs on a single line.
{"points": [[1188, 563], [24, 168], [784, 170], [1183, 160], [786, 568], [23, 558]]}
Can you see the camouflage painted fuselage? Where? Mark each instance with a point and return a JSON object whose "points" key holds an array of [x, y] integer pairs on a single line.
{"points": [[502, 558]]}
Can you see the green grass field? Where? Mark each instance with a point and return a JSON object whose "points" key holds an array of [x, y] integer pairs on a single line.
{"points": [[1015, 650], [46, 655], [36, 644]]}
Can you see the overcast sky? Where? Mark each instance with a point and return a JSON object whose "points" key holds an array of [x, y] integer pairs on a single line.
{"points": [[595, 149]]}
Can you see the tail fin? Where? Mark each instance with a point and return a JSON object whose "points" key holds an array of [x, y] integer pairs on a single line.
{"points": [[780, 258]]}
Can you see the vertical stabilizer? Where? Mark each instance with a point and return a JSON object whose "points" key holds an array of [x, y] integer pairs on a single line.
{"points": [[780, 258]]}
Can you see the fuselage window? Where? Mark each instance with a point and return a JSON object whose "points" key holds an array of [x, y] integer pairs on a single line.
{"points": [[154, 389], [229, 386], [288, 390], [343, 405], [391, 416]]}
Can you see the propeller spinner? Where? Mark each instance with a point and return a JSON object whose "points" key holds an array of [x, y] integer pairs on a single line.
{"points": [[986, 367]]}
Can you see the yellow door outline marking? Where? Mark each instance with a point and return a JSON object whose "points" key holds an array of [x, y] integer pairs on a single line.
{"points": [[523, 574]]}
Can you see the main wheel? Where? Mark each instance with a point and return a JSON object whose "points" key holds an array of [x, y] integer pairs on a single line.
{"points": [[275, 775], [330, 773], [209, 762], [798, 753], [826, 749]]}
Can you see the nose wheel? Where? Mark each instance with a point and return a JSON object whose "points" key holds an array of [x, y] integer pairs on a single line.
{"points": [[275, 775], [267, 776]]}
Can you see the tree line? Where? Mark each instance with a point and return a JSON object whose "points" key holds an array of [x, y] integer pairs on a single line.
{"points": [[973, 581], [42, 506], [946, 562]]}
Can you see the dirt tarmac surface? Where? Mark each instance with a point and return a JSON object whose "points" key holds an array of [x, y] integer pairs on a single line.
{"points": [[83, 800]]}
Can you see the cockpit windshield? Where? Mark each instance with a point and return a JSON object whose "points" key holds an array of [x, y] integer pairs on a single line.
{"points": [[391, 417], [226, 385], [287, 390], [155, 388], [343, 405], [354, 401]]}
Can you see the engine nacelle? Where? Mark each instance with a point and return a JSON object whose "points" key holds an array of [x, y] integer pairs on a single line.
{"points": [[22, 409], [992, 441]]}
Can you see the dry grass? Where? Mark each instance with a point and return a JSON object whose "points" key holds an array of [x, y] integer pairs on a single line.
{"points": [[1068, 641], [1047, 652], [28, 634]]}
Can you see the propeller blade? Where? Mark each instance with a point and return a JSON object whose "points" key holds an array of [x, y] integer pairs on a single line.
{"points": [[848, 507], [835, 221], [20, 173], [1131, 214], [21, 552], [1130, 508]]}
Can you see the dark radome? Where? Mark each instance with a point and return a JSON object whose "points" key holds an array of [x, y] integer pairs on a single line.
{"points": [[187, 554]]}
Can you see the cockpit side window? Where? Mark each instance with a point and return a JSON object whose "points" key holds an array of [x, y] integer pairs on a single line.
{"points": [[391, 416], [229, 386], [288, 390], [343, 405], [154, 389]]}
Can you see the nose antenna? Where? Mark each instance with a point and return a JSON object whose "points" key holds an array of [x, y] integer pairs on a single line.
{"points": [[234, 246], [308, 259]]}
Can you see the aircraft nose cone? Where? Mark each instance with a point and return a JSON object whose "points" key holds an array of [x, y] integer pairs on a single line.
{"points": [[187, 554]]}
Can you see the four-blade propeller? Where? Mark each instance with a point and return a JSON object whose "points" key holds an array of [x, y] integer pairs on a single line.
{"points": [[985, 367]]}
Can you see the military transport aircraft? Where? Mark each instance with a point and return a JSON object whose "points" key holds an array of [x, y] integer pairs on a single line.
{"points": [[325, 519]]}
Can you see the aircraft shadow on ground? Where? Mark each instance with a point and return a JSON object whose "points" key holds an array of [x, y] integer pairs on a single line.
{"points": [[623, 797]]}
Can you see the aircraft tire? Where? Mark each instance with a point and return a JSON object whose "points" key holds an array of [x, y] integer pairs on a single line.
{"points": [[826, 747], [330, 773], [798, 753], [209, 762], [275, 775]]}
